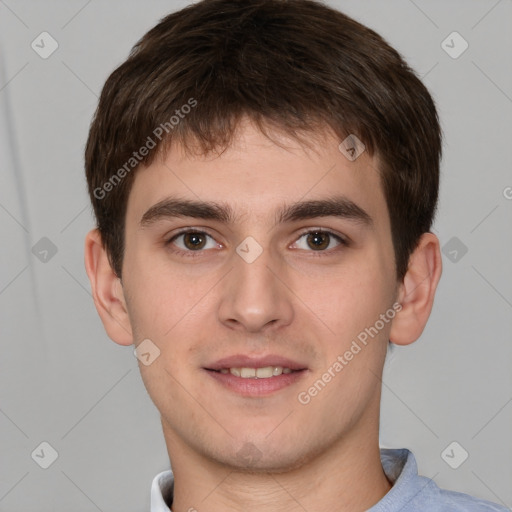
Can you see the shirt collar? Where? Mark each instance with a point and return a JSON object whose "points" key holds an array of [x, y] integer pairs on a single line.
{"points": [[399, 465], [162, 486]]}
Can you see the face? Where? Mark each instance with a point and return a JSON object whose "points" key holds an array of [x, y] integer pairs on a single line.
{"points": [[286, 265]]}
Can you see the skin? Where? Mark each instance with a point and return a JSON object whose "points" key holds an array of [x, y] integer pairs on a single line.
{"points": [[293, 300]]}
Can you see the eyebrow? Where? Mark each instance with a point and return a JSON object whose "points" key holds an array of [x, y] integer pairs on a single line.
{"points": [[337, 206]]}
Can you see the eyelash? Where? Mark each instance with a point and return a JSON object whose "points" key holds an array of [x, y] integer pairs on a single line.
{"points": [[194, 254]]}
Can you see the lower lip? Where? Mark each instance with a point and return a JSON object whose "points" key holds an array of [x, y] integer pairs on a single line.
{"points": [[257, 387]]}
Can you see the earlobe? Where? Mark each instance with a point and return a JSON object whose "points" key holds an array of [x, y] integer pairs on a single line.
{"points": [[107, 291], [417, 291]]}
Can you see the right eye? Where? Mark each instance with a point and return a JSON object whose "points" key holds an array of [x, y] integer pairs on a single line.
{"points": [[190, 241]]}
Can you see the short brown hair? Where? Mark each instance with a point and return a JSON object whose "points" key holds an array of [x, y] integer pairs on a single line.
{"points": [[293, 64]]}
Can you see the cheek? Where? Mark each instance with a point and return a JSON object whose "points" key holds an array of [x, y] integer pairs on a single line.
{"points": [[161, 296], [348, 299]]}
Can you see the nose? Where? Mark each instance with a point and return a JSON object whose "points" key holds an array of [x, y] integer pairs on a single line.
{"points": [[255, 296]]}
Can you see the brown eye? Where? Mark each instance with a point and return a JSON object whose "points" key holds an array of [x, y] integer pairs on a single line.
{"points": [[194, 241], [318, 240], [191, 241]]}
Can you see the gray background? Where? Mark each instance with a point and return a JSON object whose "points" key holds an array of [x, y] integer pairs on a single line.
{"points": [[64, 382]]}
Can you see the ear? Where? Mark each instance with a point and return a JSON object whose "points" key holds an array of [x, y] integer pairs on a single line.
{"points": [[416, 293], [107, 291]]}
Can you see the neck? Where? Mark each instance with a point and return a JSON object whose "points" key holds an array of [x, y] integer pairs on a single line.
{"points": [[346, 477]]}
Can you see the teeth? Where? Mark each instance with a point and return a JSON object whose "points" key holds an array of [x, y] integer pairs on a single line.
{"points": [[256, 373], [246, 373]]}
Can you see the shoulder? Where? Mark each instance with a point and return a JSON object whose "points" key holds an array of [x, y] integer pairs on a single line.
{"points": [[412, 492], [453, 501], [428, 496]]}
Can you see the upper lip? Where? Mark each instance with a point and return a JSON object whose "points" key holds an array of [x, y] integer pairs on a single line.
{"points": [[245, 361]]}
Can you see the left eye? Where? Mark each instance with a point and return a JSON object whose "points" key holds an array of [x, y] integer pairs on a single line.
{"points": [[319, 240]]}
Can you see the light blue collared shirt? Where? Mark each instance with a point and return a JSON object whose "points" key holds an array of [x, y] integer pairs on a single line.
{"points": [[410, 492]]}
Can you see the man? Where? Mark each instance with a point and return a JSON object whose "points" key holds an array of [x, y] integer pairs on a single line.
{"points": [[264, 175]]}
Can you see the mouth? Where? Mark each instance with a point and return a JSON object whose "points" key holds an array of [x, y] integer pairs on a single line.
{"points": [[265, 372], [259, 377]]}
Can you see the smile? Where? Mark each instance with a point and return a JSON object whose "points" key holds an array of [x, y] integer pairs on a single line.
{"points": [[256, 382], [256, 373]]}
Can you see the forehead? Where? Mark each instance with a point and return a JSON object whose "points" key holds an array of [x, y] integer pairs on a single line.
{"points": [[256, 177]]}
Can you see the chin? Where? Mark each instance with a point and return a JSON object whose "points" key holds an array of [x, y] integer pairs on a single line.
{"points": [[264, 460]]}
